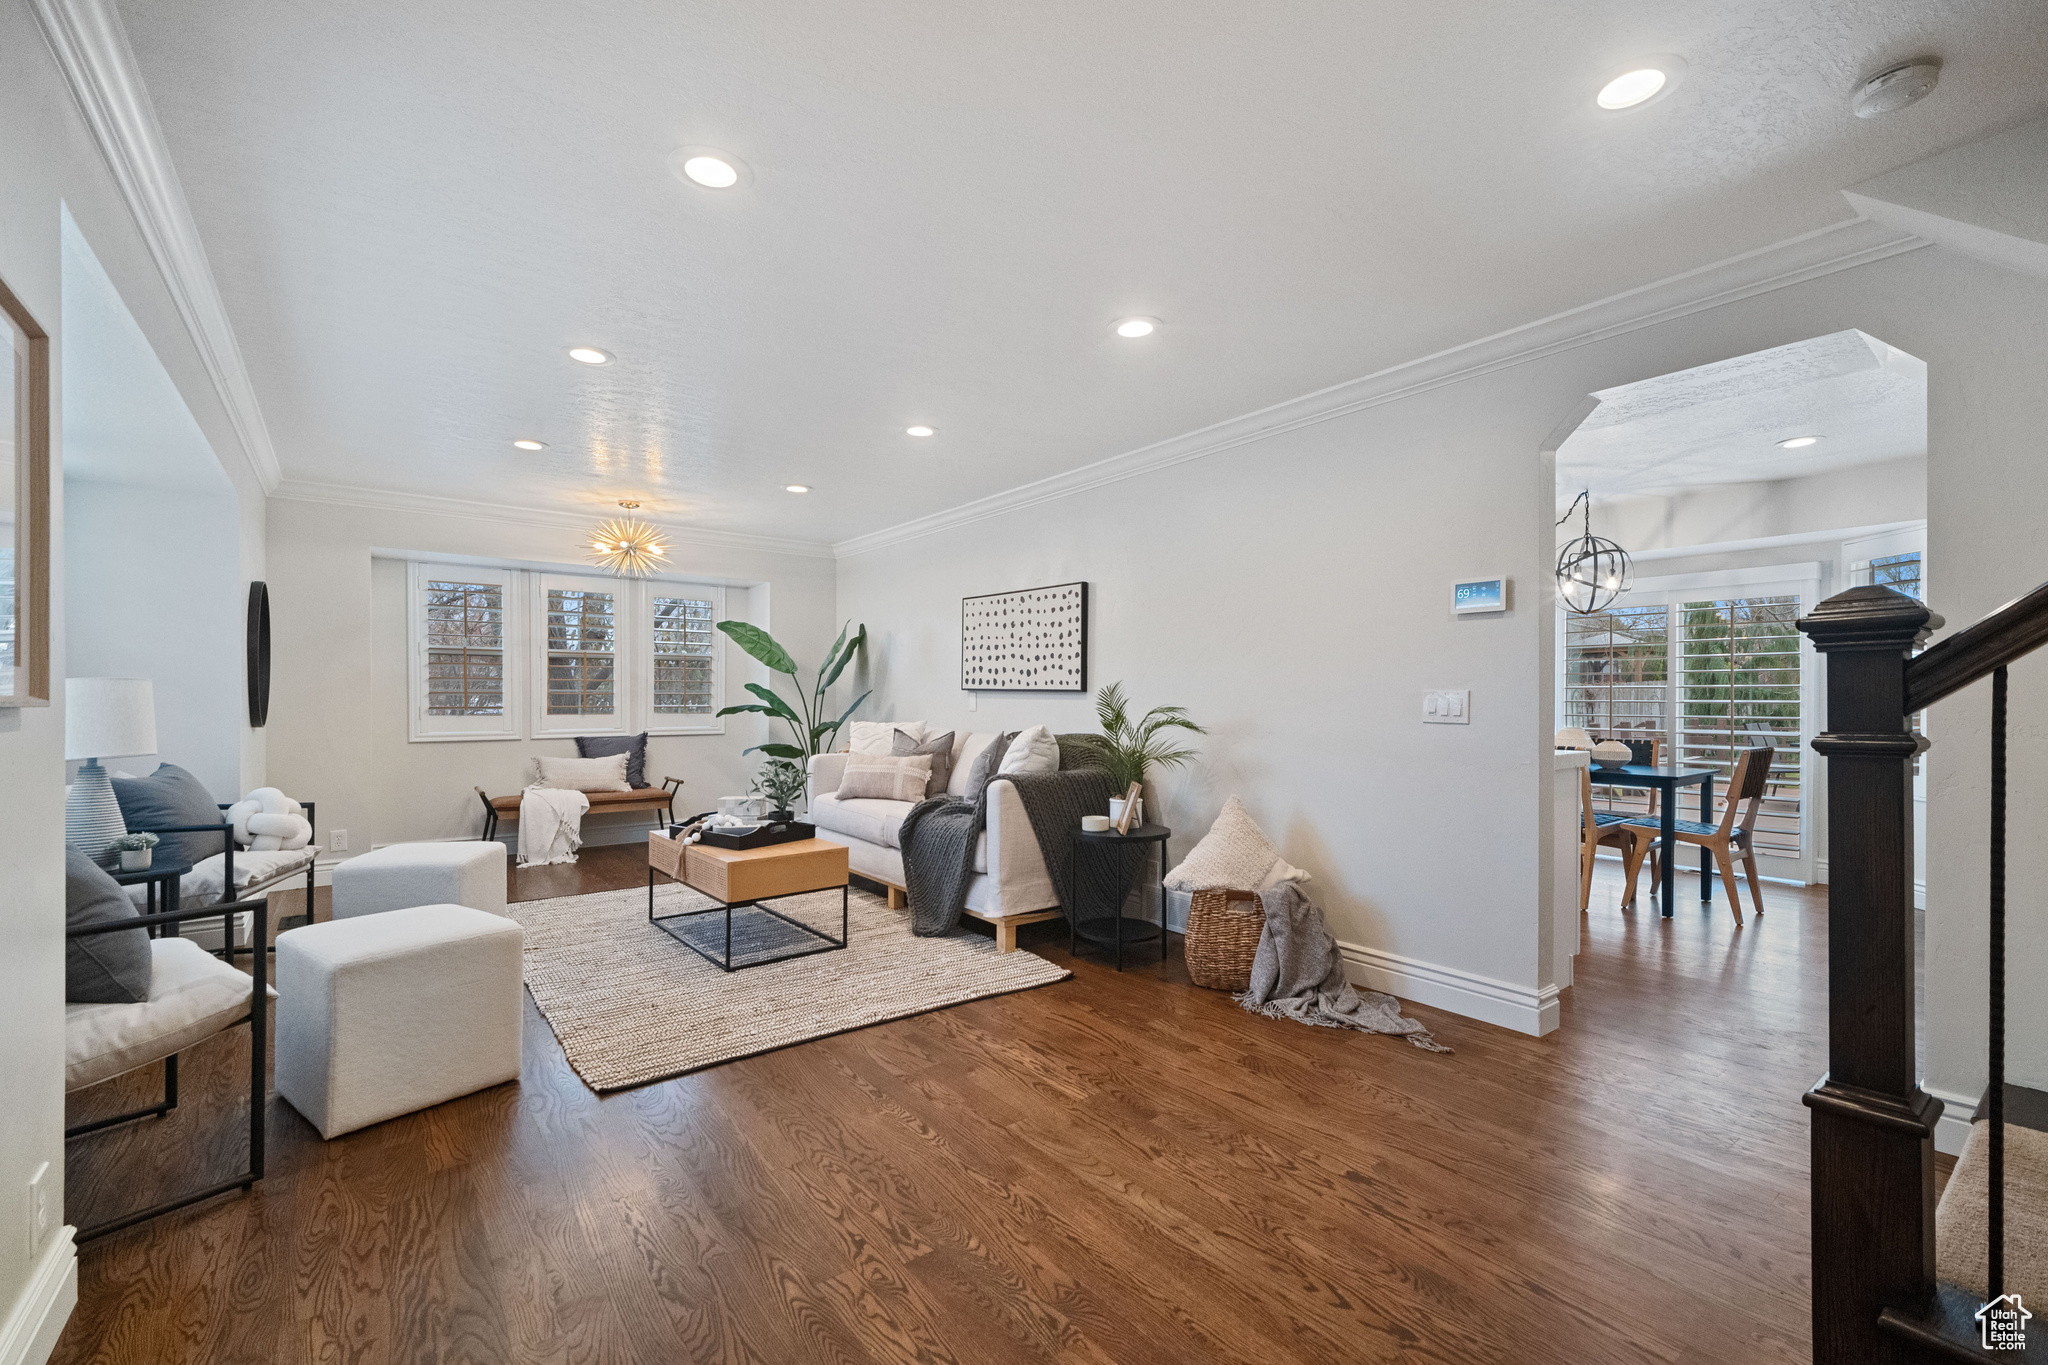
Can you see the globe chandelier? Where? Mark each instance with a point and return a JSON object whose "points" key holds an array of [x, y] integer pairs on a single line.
{"points": [[1591, 571]]}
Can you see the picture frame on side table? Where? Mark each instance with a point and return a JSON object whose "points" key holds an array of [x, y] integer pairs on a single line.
{"points": [[25, 513]]}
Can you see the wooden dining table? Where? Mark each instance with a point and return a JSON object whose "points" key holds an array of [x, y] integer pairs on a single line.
{"points": [[1668, 780]]}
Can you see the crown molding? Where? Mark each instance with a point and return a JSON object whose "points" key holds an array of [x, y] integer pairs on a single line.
{"points": [[92, 51], [1824, 251], [385, 500]]}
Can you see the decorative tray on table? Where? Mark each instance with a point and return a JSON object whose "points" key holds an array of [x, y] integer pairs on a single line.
{"points": [[760, 836]]}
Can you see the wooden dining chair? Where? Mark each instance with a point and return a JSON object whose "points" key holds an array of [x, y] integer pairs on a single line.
{"points": [[1597, 827], [1734, 837]]}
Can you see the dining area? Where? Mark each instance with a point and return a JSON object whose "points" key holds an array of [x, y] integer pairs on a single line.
{"points": [[1640, 813]]}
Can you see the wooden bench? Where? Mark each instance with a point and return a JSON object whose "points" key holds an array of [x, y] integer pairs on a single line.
{"points": [[662, 798]]}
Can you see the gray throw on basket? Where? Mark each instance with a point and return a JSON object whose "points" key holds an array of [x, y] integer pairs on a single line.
{"points": [[1298, 974], [939, 835]]}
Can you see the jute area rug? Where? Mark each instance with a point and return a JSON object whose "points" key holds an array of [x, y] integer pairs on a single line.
{"points": [[631, 1005]]}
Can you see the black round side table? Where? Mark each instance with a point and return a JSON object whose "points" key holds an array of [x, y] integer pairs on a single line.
{"points": [[1116, 928], [160, 893]]}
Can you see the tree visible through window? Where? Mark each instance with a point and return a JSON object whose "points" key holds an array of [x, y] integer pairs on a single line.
{"points": [[1900, 573], [582, 637], [1739, 688], [682, 656], [465, 649]]}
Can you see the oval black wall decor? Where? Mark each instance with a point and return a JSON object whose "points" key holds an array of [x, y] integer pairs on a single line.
{"points": [[259, 654]]}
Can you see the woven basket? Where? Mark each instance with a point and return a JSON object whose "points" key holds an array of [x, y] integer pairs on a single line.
{"points": [[1223, 935]]}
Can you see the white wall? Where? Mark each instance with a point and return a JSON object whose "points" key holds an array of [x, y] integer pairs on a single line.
{"points": [[154, 590], [48, 164], [338, 701], [1865, 495], [1292, 592]]}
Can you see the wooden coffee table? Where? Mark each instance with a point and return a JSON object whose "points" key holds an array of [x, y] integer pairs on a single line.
{"points": [[740, 879]]}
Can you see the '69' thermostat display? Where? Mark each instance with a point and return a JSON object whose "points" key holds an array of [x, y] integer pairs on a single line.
{"points": [[1476, 595]]}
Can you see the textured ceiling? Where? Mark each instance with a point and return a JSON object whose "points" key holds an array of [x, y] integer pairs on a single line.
{"points": [[412, 209], [1721, 423]]}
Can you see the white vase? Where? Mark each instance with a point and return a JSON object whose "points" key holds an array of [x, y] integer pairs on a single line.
{"points": [[135, 859], [1116, 810]]}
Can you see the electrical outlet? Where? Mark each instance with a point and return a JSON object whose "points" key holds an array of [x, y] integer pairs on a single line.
{"points": [[38, 1209], [337, 840]]}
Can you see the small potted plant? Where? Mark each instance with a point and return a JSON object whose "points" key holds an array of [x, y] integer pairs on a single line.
{"points": [[134, 850], [781, 780], [1129, 749]]}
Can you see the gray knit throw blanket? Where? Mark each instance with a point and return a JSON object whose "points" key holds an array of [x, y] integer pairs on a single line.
{"points": [[1298, 974], [939, 835]]}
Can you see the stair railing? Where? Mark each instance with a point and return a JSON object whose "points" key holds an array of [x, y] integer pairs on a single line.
{"points": [[1876, 1299]]}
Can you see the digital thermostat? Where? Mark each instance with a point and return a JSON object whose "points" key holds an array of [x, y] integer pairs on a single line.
{"points": [[1480, 595]]}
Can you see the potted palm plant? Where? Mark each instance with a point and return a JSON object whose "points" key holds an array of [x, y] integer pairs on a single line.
{"points": [[1130, 749], [809, 726]]}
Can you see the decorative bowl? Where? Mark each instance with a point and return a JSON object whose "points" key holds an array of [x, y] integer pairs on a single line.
{"points": [[1612, 753]]}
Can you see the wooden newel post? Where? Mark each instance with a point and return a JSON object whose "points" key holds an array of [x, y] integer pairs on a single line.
{"points": [[1873, 1127]]}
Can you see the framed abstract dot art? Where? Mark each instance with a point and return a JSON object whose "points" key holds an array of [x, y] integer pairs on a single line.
{"points": [[1035, 640]]}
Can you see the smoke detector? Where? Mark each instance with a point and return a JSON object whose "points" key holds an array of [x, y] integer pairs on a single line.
{"points": [[1895, 87]]}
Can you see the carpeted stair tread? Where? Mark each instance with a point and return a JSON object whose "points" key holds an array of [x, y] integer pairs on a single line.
{"points": [[1961, 1221]]}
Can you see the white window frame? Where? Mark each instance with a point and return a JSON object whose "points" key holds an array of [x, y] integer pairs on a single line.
{"points": [[525, 598], [1673, 591], [425, 729], [619, 722], [642, 632]]}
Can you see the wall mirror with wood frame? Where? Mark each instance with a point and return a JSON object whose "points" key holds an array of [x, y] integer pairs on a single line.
{"points": [[24, 509]]}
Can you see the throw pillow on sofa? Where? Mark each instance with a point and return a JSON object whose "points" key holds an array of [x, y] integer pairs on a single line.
{"points": [[634, 747], [985, 766], [169, 797], [880, 777], [584, 774], [940, 750], [878, 737], [1032, 751], [101, 969]]}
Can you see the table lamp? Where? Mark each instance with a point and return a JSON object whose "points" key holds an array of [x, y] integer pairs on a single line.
{"points": [[103, 718]]}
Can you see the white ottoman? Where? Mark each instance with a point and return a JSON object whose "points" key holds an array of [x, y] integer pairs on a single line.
{"points": [[385, 1014], [401, 875]]}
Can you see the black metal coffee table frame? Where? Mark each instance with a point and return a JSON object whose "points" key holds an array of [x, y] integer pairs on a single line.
{"points": [[669, 924]]}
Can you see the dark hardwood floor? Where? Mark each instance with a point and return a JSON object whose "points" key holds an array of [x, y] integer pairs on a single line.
{"points": [[1117, 1168]]}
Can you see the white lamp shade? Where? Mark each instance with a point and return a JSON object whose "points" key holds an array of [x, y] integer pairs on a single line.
{"points": [[108, 717]]}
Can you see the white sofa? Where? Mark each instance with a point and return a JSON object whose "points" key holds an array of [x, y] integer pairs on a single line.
{"points": [[1011, 886]]}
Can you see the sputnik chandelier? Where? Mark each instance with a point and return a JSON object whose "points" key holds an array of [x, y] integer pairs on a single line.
{"points": [[629, 548], [1591, 571]]}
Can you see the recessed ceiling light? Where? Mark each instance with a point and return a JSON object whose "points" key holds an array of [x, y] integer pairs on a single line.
{"points": [[1641, 81], [1136, 327], [796, 488], [590, 355], [919, 431], [525, 443], [1798, 443], [707, 167]]}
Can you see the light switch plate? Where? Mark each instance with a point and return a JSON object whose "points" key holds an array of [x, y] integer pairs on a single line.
{"points": [[1447, 708]]}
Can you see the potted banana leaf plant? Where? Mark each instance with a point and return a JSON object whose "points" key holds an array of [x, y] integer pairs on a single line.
{"points": [[809, 726]]}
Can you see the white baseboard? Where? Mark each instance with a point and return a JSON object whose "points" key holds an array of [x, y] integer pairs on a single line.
{"points": [[1954, 1124], [29, 1331], [1521, 1008]]}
